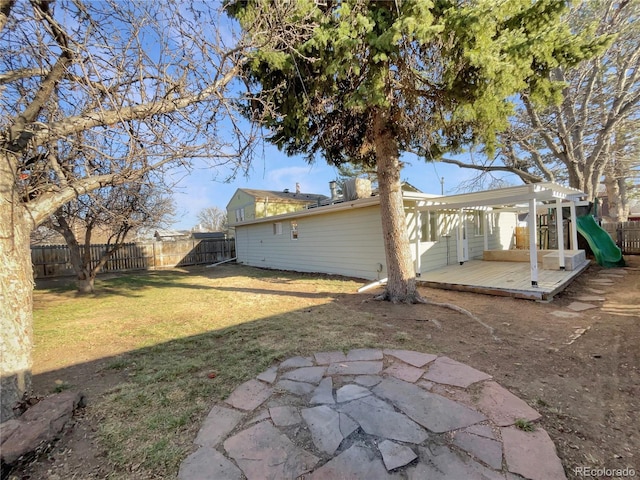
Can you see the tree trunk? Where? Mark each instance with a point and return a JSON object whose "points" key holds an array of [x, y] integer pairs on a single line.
{"points": [[401, 278], [16, 294], [616, 195]]}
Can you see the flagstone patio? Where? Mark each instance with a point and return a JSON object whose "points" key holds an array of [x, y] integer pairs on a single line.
{"points": [[372, 414]]}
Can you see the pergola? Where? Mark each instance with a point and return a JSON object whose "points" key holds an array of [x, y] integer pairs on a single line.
{"points": [[524, 198]]}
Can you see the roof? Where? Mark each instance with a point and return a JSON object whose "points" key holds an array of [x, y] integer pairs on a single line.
{"points": [[502, 197], [285, 195]]}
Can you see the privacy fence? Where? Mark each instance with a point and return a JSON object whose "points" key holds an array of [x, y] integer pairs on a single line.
{"points": [[626, 235], [53, 260]]}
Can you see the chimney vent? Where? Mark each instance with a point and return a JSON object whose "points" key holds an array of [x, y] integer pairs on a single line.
{"points": [[333, 187]]}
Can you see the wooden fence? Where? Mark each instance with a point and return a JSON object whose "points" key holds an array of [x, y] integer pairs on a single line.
{"points": [[53, 260], [626, 235]]}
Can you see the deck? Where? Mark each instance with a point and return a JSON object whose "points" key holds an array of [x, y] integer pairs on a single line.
{"points": [[511, 279]]}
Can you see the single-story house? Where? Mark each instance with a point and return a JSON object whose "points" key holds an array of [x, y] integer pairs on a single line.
{"points": [[345, 238]]}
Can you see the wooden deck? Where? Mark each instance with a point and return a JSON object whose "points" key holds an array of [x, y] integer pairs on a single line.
{"points": [[511, 279]]}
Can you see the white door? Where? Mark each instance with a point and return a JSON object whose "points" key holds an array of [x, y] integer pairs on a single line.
{"points": [[463, 241]]}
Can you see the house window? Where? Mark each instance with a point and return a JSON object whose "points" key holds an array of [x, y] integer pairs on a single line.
{"points": [[475, 222], [277, 228], [239, 214], [429, 227], [294, 230]]}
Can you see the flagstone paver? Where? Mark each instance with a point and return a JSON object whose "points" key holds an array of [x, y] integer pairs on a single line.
{"points": [[416, 359], [324, 392], [395, 455], [351, 392], [503, 407], [305, 374], [217, 425], [284, 416], [370, 414], [434, 412], [355, 368], [363, 354], [404, 372], [261, 451], [523, 451], [249, 395], [449, 372], [580, 306]]}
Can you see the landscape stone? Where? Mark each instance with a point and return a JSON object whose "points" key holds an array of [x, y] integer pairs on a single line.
{"points": [[297, 388], [590, 298], [325, 358], [357, 462], [382, 421], [347, 426], [482, 430], [217, 425], [502, 406], [580, 306], [351, 392], [442, 463], [523, 451], [323, 394], [269, 375], [284, 416], [249, 395], [261, 451], [306, 374], [368, 380], [417, 359], [324, 425], [355, 368], [296, 362], [434, 412], [7, 428], [449, 372], [362, 354], [595, 291], [404, 372], [485, 449], [41, 423], [262, 415], [395, 455], [207, 463]]}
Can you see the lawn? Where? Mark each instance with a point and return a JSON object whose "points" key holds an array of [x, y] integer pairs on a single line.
{"points": [[154, 351]]}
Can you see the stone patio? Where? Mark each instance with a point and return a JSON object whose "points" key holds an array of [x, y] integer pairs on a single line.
{"points": [[371, 414]]}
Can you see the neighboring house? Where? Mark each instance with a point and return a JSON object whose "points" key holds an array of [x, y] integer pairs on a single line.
{"points": [[248, 204], [345, 238], [166, 235], [208, 235]]}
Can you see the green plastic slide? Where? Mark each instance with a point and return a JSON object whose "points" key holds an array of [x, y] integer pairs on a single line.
{"points": [[604, 248]]}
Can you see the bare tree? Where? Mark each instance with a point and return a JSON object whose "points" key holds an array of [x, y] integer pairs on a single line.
{"points": [[592, 132], [113, 213], [110, 78], [213, 219]]}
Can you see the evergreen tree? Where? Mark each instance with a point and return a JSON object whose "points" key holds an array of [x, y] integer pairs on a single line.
{"points": [[362, 81]]}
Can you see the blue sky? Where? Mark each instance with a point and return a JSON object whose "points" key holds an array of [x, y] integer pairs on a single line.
{"points": [[204, 186]]}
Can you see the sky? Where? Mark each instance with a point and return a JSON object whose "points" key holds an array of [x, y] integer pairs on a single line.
{"points": [[202, 187]]}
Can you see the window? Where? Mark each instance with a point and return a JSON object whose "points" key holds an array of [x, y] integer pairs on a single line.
{"points": [[475, 222], [294, 230], [277, 228], [429, 226], [240, 214]]}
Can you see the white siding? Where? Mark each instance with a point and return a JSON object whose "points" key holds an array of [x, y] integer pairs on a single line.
{"points": [[343, 243]]}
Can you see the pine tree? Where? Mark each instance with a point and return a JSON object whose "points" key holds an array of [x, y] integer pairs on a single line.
{"points": [[362, 81]]}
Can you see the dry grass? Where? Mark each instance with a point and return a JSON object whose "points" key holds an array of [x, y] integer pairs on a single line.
{"points": [[167, 331]]}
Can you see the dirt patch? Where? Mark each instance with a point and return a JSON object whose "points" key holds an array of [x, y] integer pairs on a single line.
{"points": [[581, 372]]}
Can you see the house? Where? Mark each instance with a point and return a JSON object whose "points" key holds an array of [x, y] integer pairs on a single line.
{"points": [[248, 204], [345, 238], [168, 235]]}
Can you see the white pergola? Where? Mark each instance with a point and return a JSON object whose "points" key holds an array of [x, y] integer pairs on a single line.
{"points": [[524, 198]]}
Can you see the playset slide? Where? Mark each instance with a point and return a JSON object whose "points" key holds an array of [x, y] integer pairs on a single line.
{"points": [[604, 248]]}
